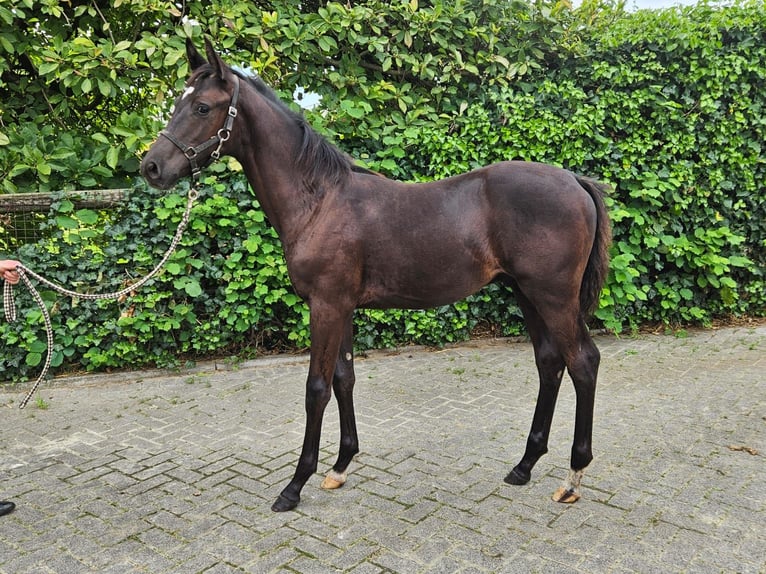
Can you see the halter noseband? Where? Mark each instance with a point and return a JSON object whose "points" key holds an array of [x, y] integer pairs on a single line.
{"points": [[219, 138]]}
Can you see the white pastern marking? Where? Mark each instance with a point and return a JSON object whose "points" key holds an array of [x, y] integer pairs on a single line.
{"points": [[573, 480], [338, 476], [333, 480]]}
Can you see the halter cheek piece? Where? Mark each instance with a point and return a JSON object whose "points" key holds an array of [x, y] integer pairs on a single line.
{"points": [[218, 139]]}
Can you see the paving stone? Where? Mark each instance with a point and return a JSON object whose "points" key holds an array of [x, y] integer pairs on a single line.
{"points": [[175, 472]]}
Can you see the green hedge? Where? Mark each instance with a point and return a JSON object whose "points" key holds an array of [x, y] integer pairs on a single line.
{"points": [[666, 106]]}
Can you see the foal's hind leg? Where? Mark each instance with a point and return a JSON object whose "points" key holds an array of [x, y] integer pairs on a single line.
{"points": [[582, 360], [343, 385], [550, 368], [561, 338]]}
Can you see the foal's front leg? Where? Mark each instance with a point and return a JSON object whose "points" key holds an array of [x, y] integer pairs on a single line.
{"points": [[343, 385], [326, 333]]}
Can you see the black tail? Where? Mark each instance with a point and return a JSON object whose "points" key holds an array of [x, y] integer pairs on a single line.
{"points": [[598, 262]]}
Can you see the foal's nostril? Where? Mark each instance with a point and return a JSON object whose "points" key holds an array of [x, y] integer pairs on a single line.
{"points": [[151, 170]]}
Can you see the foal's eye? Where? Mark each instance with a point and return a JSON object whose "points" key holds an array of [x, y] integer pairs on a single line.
{"points": [[203, 109]]}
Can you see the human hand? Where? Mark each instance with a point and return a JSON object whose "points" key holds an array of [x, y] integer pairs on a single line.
{"points": [[8, 270]]}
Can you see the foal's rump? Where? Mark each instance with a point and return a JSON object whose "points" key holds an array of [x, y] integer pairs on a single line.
{"points": [[551, 225], [538, 197]]}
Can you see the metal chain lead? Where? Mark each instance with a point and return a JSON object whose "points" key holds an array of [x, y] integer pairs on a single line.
{"points": [[10, 305]]}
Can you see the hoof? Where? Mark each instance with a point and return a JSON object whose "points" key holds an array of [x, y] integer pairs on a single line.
{"points": [[517, 478], [333, 480], [569, 492], [566, 496], [283, 504]]}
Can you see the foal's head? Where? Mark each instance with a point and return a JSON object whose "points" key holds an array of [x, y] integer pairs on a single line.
{"points": [[196, 128]]}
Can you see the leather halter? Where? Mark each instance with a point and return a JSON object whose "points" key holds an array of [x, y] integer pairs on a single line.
{"points": [[222, 135]]}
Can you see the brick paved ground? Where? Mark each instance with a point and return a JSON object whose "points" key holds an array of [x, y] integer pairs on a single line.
{"points": [[175, 473]]}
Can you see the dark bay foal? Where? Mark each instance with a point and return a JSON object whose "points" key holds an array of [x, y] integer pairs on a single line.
{"points": [[353, 239]]}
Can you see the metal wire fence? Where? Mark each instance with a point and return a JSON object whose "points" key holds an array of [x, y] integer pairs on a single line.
{"points": [[22, 214]]}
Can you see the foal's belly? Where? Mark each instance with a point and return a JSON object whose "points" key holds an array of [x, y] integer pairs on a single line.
{"points": [[428, 284]]}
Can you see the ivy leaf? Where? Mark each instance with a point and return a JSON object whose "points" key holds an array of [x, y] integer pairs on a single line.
{"points": [[87, 216], [66, 206], [34, 359], [193, 288], [66, 222]]}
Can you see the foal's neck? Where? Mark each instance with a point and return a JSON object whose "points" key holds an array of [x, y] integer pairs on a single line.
{"points": [[268, 150]]}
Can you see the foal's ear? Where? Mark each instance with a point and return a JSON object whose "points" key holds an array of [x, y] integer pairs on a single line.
{"points": [[194, 57], [218, 65]]}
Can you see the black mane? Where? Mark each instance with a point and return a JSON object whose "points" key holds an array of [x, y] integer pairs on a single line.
{"points": [[322, 163]]}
